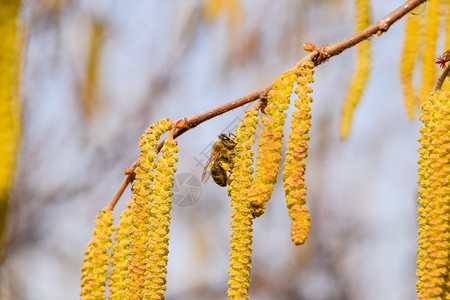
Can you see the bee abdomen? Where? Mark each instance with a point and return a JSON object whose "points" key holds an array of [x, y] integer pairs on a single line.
{"points": [[218, 174]]}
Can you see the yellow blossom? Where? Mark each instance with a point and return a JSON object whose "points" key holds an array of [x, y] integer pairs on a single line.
{"points": [[295, 165], [429, 56], [143, 189], [10, 56], [269, 154], [120, 255], [95, 264], [408, 59], [362, 69], [433, 260], [242, 214], [161, 204]]}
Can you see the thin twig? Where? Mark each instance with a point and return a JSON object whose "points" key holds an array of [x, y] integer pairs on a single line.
{"points": [[171, 133], [318, 56], [127, 180], [441, 79]]}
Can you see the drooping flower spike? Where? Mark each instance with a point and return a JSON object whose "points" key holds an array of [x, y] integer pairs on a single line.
{"points": [[11, 42], [242, 214], [430, 32], [160, 218], [269, 154], [119, 279], [94, 271], [362, 69], [295, 165], [139, 231], [433, 260], [409, 56]]}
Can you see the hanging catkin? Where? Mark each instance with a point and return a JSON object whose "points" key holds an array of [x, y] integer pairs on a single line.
{"points": [[433, 260], [362, 69], [295, 165], [242, 211]]}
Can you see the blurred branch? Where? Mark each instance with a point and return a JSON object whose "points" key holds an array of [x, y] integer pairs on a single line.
{"points": [[318, 56]]}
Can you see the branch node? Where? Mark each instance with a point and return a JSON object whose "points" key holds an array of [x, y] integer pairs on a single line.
{"points": [[383, 25], [263, 100], [130, 169], [323, 54], [182, 123]]}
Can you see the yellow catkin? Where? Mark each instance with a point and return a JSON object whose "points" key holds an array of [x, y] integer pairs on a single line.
{"points": [[94, 271], [143, 188], [10, 53], [362, 69], [240, 181], [433, 260], [90, 97], [118, 278], [408, 59], [429, 52], [269, 154], [160, 217], [295, 165]]}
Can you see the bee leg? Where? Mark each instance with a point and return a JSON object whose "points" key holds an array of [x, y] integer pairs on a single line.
{"points": [[226, 166]]}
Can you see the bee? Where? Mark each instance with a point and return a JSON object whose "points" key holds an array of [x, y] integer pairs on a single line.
{"points": [[221, 160]]}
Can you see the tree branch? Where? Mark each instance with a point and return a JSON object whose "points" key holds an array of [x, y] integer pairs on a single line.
{"points": [[441, 79], [318, 56]]}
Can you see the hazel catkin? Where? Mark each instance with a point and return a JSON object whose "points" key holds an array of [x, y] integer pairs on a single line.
{"points": [[118, 279], [242, 214], [295, 165], [269, 154], [11, 43], [430, 41], [433, 262], [94, 271], [161, 204], [408, 59], [143, 187], [362, 69]]}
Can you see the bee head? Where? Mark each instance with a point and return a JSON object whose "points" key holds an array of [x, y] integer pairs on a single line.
{"points": [[224, 137], [227, 141]]}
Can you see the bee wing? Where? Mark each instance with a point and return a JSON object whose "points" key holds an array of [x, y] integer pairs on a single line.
{"points": [[207, 170]]}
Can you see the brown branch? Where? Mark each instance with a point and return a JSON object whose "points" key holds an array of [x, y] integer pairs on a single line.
{"points": [[441, 79], [127, 180], [192, 122], [318, 56]]}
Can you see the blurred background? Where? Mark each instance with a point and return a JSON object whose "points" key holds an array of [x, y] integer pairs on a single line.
{"points": [[96, 74]]}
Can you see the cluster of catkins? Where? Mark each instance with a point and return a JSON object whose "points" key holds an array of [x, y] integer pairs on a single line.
{"points": [[139, 252], [141, 242], [249, 193]]}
